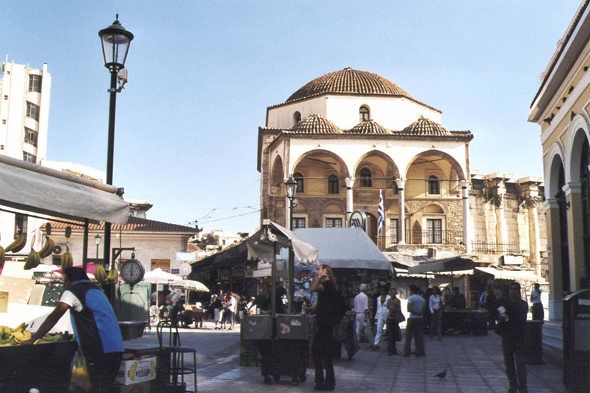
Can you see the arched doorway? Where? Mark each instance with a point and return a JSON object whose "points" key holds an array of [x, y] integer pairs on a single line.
{"points": [[585, 181]]}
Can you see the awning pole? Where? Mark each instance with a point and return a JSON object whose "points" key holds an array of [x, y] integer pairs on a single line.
{"points": [[85, 245], [272, 289], [291, 279]]}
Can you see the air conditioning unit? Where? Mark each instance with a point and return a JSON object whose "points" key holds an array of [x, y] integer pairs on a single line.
{"points": [[431, 252], [59, 248]]}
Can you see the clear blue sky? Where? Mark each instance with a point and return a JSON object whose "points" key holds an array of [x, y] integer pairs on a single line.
{"points": [[201, 74]]}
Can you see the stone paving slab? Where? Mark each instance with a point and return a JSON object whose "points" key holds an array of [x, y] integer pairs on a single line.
{"points": [[474, 364]]}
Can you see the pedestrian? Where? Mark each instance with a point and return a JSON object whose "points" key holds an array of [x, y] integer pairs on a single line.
{"points": [[414, 323], [381, 316], [95, 326], [458, 301], [537, 307], [361, 309], [232, 306], [436, 305], [394, 333], [488, 301], [217, 302], [512, 328], [325, 286]]}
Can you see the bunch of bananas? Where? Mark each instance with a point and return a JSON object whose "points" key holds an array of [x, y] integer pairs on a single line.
{"points": [[18, 243], [10, 337], [100, 274], [67, 260], [2, 256], [132, 371], [113, 275], [33, 259], [47, 249]]}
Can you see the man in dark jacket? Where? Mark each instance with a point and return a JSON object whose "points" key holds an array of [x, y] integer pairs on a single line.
{"points": [[512, 328]]}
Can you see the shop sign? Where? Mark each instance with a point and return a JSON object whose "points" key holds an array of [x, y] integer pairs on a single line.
{"points": [[262, 273], [175, 271], [512, 259], [163, 264], [358, 219]]}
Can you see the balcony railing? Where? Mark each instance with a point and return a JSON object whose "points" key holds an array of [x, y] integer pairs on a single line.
{"points": [[424, 238], [495, 248]]}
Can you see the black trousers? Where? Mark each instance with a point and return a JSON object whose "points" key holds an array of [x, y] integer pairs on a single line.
{"points": [[538, 312], [102, 370], [514, 353], [322, 357], [393, 334]]}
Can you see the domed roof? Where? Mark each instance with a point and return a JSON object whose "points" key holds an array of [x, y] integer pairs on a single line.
{"points": [[426, 127], [369, 127], [349, 81], [316, 124]]}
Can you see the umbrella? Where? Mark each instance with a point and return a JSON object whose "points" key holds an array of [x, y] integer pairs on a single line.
{"points": [[189, 285], [158, 275]]}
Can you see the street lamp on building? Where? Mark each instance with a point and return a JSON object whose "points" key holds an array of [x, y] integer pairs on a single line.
{"points": [[291, 190], [115, 46], [97, 239]]}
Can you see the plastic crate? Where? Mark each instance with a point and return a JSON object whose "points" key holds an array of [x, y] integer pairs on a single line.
{"points": [[257, 327], [295, 327]]}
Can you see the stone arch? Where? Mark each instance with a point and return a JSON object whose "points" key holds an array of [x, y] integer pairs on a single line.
{"points": [[577, 132], [555, 163], [277, 172], [434, 208], [455, 165], [333, 208], [317, 154], [379, 174]]}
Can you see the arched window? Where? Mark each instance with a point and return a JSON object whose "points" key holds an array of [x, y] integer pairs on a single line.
{"points": [[299, 179], [433, 185], [296, 118], [366, 178], [364, 114], [333, 184]]}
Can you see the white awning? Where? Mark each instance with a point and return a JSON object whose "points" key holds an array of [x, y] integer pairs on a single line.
{"points": [[517, 275], [457, 273], [36, 189]]}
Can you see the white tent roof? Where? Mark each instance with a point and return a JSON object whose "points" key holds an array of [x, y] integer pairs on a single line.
{"points": [[160, 276], [345, 248], [517, 275], [37, 189]]}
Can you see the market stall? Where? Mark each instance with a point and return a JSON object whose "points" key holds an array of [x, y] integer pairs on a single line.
{"points": [[282, 340], [35, 191]]}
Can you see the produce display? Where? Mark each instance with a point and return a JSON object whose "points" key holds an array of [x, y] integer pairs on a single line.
{"points": [[14, 336]]}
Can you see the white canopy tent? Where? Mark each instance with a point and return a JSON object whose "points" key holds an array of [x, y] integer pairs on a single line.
{"points": [[348, 248], [158, 276]]}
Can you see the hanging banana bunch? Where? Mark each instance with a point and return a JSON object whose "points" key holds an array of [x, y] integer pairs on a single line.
{"points": [[113, 276], [33, 259], [100, 274], [67, 259], [18, 243]]}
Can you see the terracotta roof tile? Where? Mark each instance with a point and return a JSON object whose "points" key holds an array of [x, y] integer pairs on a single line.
{"points": [[135, 224], [425, 127], [316, 124], [368, 127]]}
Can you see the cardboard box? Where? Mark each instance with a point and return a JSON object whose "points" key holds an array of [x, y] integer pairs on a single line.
{"points": [[142, 387], [136, 371]]}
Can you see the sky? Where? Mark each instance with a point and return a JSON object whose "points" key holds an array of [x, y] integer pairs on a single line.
{"points": [[202, 73]]}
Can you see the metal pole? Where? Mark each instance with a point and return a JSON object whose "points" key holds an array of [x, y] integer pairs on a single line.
{"points": [[291, 262], [273, 278], [85, 245], [110, 158]]}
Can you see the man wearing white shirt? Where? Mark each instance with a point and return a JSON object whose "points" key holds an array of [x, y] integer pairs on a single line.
{"points": [[381, 316], [361, 309], [231, 309]]}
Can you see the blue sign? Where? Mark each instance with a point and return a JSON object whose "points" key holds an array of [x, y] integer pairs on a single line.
{"points": [[175, 271]]}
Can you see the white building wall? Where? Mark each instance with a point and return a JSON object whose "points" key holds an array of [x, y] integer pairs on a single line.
{"points": [[14, 95], [393, 113]]}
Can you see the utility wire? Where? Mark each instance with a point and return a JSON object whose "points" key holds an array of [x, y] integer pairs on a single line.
{"points": [[227, 218]]}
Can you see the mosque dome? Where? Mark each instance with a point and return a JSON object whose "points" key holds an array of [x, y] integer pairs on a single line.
{"points": [[316, 124], [369, 127], [425, 127], [349, 81]]}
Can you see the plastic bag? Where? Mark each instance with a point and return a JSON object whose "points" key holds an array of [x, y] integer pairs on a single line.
{"points": [[80, 379]]}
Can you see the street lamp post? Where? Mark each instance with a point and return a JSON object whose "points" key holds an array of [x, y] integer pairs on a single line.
{"points": [[115, 46], [97, 239], [291, 190]]}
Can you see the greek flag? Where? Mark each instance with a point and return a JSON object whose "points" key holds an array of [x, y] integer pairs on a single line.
{"points": [[381, 214]]}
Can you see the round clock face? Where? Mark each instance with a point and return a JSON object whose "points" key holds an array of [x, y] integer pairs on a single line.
{"points": [[132, 271]]}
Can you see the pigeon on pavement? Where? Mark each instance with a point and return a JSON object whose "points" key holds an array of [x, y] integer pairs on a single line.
{"points": [[442, 374]]}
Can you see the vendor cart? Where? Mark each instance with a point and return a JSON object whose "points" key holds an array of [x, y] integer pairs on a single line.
{"points": [[282, 340]]}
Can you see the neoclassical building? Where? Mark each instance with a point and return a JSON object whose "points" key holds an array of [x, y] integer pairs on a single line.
{"points": [[349, 134], [561, 107]]}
